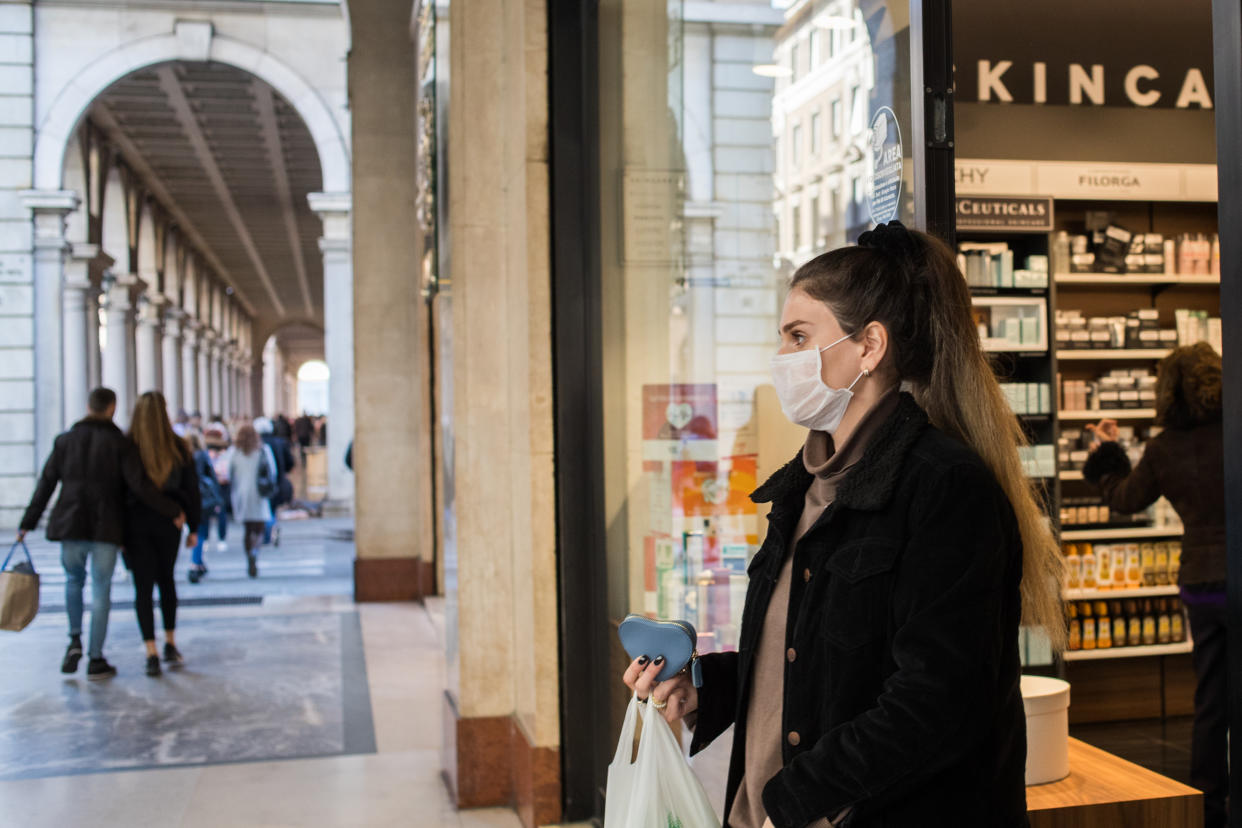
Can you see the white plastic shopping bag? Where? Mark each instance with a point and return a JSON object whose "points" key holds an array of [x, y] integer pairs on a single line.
{"points": [[658, 789]]}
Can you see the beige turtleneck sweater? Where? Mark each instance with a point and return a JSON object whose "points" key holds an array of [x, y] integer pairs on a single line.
{"points": [[764, 715]]}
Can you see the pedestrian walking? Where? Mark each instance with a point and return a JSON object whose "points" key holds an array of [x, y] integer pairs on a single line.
{"points": [[1185, 463], [906, 544], [218, 452], [151, 540], [285, 462], [252, 472], [97, 468], [212, 504]]}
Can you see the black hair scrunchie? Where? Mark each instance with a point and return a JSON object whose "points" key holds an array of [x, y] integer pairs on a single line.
{"points": [[892, 238]]}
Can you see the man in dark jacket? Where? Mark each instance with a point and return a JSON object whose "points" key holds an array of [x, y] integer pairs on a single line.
{"points": [[96, 467]]}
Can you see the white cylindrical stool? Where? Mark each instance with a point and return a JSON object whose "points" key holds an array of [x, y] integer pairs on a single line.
{"points": [[1046, 701]]}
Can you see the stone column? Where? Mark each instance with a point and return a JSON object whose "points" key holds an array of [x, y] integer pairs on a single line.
{"points": [[206, 341], [172, 360], [334, 210], [189, 366], [118, 357], [80, 329], [148, 344], [42, 334]]}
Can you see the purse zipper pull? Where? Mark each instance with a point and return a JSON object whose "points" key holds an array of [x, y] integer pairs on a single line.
{"points": [[696, 670]]}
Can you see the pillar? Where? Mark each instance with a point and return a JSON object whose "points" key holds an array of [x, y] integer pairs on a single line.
{"points": [[206, 340], [171, 360], [80, 329], [149, 346], [118, 357], [334, 210], [37, 345], [189, 366]]}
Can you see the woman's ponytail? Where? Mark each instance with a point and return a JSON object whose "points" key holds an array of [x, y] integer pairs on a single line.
{"points": [[909, 281]]}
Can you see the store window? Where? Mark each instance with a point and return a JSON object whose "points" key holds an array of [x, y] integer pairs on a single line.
{"points": [[701, 163]]}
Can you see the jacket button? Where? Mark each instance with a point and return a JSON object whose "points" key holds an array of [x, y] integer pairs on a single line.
{"points": [[794, 738], [791, 655], [806, 575]]}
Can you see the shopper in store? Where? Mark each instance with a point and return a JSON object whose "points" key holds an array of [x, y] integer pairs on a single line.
{"points": [[1184, 463], [152, 541], [878, 672]]}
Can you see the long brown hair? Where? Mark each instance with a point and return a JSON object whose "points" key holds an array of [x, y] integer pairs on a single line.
{"points": [[246, 440], [1188, 387], [159, 446], [909, 282]]}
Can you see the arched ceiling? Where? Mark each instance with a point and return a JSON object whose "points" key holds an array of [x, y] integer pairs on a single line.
{"points": [[234, 163]]}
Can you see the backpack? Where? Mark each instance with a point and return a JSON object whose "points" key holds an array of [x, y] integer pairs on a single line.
{"points": [[209, 493], [266, 479]]}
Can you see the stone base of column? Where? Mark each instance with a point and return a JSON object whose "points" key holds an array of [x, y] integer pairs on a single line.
{"points": [[489, 762], [393, 579]]}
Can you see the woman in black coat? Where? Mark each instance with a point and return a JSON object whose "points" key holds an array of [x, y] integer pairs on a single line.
{"points": [[151, 540], [1185, 463], [877, 678]]}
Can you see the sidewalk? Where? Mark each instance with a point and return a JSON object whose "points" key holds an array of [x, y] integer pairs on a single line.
{"points": [[302, 709]]}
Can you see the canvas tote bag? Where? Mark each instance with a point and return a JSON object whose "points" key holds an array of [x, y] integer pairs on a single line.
{"points": [[19, 591]]}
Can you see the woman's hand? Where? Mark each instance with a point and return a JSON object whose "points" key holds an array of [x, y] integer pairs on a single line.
{"points": [[179, 521], [191, 540], [674, 698], [1105, 431]]}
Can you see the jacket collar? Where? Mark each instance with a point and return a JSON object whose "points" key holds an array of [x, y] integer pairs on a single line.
{"points": [[97, 422], [871, 483]]}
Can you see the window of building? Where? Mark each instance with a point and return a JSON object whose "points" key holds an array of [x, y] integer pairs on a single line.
{"points": [[832, 42], [795, 145], [796, 221], [816, 225], [794, 65], [858, 115], [836, 118], [815, 133], [813, 45]]}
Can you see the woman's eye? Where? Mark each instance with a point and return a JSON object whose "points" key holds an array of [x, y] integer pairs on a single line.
{"points": [[798, 339]]}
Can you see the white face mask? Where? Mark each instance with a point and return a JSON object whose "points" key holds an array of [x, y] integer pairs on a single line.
{"points": [[805, 398]]}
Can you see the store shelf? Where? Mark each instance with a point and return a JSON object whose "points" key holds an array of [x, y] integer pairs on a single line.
{"points": [[1136, 279], [1100, 354], [1133, 533], [1110, 413], [1112, 594], [1071, 475], [1130, 652]]}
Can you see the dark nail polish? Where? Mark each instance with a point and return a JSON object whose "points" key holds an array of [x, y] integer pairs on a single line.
{"points": [[659, 660], [642, 661]]}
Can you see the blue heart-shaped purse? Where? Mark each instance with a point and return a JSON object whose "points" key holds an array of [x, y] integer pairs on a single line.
{"points": [[675, 640]]}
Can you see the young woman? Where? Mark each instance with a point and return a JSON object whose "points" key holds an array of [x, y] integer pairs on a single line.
{"points": [[248, 461], [877, 678], [152, 540], [1185, 464], [212, 503]]}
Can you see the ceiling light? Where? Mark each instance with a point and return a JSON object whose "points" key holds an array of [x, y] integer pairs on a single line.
{"points": [[771, 70]]}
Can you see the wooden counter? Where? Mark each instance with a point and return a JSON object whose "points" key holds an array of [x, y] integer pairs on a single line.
{"points": [[1105, 791]]}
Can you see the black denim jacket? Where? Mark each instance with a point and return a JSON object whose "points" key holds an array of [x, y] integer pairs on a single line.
{"points": [[902, 699]]}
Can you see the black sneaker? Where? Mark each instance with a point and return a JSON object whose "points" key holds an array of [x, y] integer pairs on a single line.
{"points": [[99, 669], [252, 565], [72, 656], [172, 656], [153, 665], [196, 573]]}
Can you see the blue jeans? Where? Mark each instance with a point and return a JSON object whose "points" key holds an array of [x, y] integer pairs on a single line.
{"points": [[73, 557], [204, 529]]}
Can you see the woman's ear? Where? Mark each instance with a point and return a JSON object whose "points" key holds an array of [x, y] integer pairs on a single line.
{"points": [[875, 346]]}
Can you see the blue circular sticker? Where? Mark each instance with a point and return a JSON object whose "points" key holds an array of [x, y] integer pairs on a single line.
{"points": [[884, 196]]}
